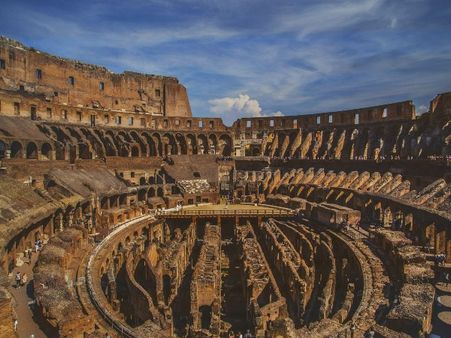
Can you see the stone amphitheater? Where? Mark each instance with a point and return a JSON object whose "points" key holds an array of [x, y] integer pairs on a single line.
{"points": [[132, 218]]}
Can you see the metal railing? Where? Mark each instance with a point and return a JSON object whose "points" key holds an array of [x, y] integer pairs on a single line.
{"points": [[225, 212], [107, 316]]}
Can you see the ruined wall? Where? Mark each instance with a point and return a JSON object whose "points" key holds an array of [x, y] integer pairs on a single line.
{"points": [[398, 111], [72, 83]]}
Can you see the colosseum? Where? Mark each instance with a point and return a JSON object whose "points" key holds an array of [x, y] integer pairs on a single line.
{"points": [[122, 215]]}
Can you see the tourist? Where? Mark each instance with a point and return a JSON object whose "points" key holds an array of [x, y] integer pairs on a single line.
{"points": [[18, 279], [16, 322], [30, 253], [248, 334], [24, 279], [371, 333], [447, 278]]}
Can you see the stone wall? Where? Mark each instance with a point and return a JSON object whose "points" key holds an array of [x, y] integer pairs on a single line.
{"points": [[76, 84]]}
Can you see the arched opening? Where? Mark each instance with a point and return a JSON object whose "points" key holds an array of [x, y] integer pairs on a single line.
{"points": [[145, 277], [429, 235], [213, 141], [142, 195], [46, 151], [151, 144], [170, 145], [138, 140], [135, 151], [142, 181], [2, 149], [16, 150], [158, 145], [191, 144], [59, 151], [110, 148], [225, 145], [182, 143], [388, 217], [205, 316], [83, 152], [104, 203], [32, 151], [151, 192], [160, 192], [203, 144], [123, 199]]}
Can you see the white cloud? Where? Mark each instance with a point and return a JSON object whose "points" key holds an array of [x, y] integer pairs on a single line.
{"points": [[232, 108], [242, 105]]}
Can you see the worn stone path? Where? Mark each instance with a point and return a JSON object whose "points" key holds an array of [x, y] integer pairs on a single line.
{"points": [[27, 320]]}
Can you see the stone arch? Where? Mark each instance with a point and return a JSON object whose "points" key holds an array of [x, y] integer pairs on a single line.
{"points": [[203, 143], [110, 147], [104, 203], [46, 151], [169, 144], [123, 199], [408, 222], [152, 179], [61, 136], [429, 234], [93, 141], [83, 152], [2, 149], [151, 192], [68, 214], [151, 144], [213, 143], [32, 151], [58, 221], [139, 141], [158, 144], [135, 151], [191, 144], [126, 136], [160, 192], [75, 134], [60, 150], [388, 217], [142, 195], [182, 143], [398, 219], [16, 149], [225, 145]]}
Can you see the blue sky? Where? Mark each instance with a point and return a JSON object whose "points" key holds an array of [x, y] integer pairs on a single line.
{"points": [[255, 58]]}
